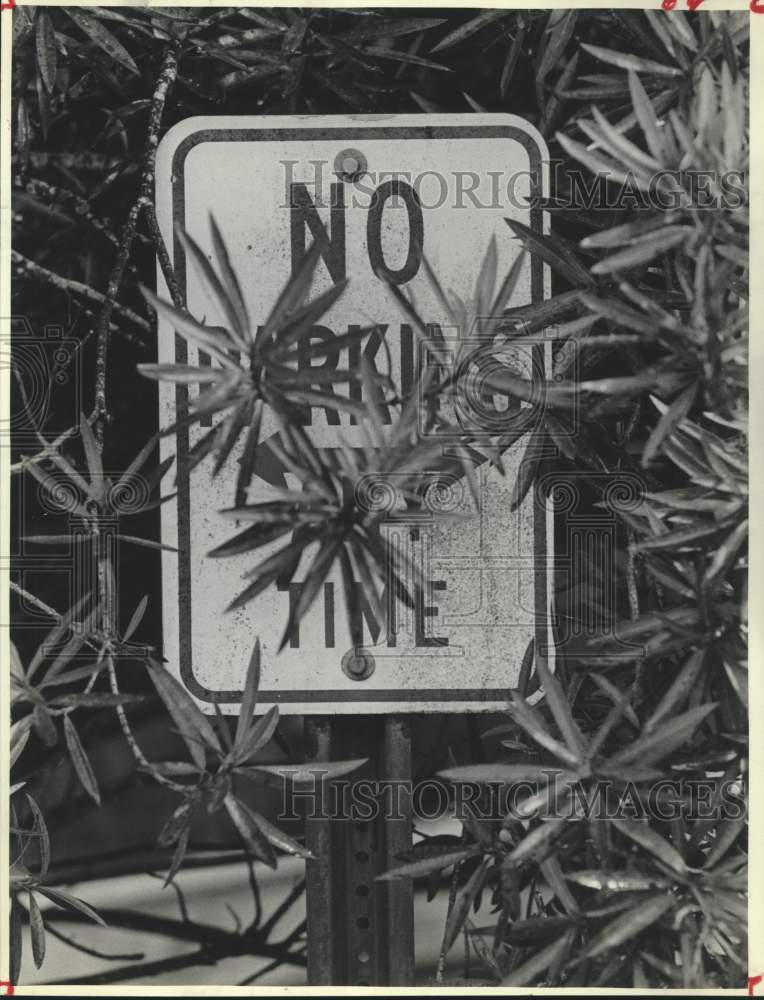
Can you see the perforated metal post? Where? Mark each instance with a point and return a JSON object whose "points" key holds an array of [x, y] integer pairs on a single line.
{"points": [[360, 931]]}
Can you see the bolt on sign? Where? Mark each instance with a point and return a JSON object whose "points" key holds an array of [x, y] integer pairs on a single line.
{"points": [[394, 200]]}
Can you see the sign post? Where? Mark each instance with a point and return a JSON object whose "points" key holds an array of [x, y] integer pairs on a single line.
{"points": [[394, 199], [361, 932]]}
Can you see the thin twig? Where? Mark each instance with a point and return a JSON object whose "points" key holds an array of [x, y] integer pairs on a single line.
{"points": [[167, 75], [136, 751], [294, 894], [182, 905], [214, 945], [262, 972], [162, 254], [30, 269], [128, 956], [80, 206], [38, 603]]}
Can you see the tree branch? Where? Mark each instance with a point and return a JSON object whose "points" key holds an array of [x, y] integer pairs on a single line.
{"points": [[167, 75], [30, 269]]}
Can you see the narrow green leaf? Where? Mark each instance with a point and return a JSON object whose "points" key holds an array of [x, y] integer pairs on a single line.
{"points": [[423, 866], [486, 279], [617, 696], [381, 52], [527, 471], [679, 691], [630, 231], [280, 839], [647, 117], [560, 27], [727, 833], [468, 28], [188, 717], [69, 902], [390, 28], [80, 760], [669, 420], [216, 290], [175, 768], [43, 724], [19, 737], [529, 972], [644, 251], [617, 145], [93, 699], [549, 249], [508, 774], [552, 872], [725, 555], [625, 60], [282, 565], [258, 736], [37, 931], [44, 838], [297, 325], [102, 37], [665, 738], [179, 820], [249, 697], [617, 881], [45, 45], [630, 924], [179, 374], [69, 676], [602, 165], [249, 831], [136, 618], [293, 293], [305, 774], [465, 897], [646, 837], [560, 708], [238, 307], [23, 133], [52, 484], [537, 842], [252, 538], [212, 339], [532, 723], [178, 855]]}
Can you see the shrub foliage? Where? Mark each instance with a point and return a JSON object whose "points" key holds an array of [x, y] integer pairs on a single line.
{"points": [[646, 116]]}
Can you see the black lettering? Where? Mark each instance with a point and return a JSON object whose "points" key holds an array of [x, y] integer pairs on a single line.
{"points": [[422, 611], [372, 346], [322, 333], [304, 216], [329, 615], [374, 232], [295, 589]]}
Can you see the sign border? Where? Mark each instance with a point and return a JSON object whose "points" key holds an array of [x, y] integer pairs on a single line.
{"points": [[505, 127]]}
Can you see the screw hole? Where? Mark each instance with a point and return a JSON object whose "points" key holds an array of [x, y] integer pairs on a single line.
{"points": [[363, 957], [362, 923], [362, 856], [362, 890]]}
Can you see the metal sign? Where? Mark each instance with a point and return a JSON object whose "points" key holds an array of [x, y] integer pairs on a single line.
{"points": [[379, 188]]}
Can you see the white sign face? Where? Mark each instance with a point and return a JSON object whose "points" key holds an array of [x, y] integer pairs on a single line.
{"points": [[271, 184]]}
